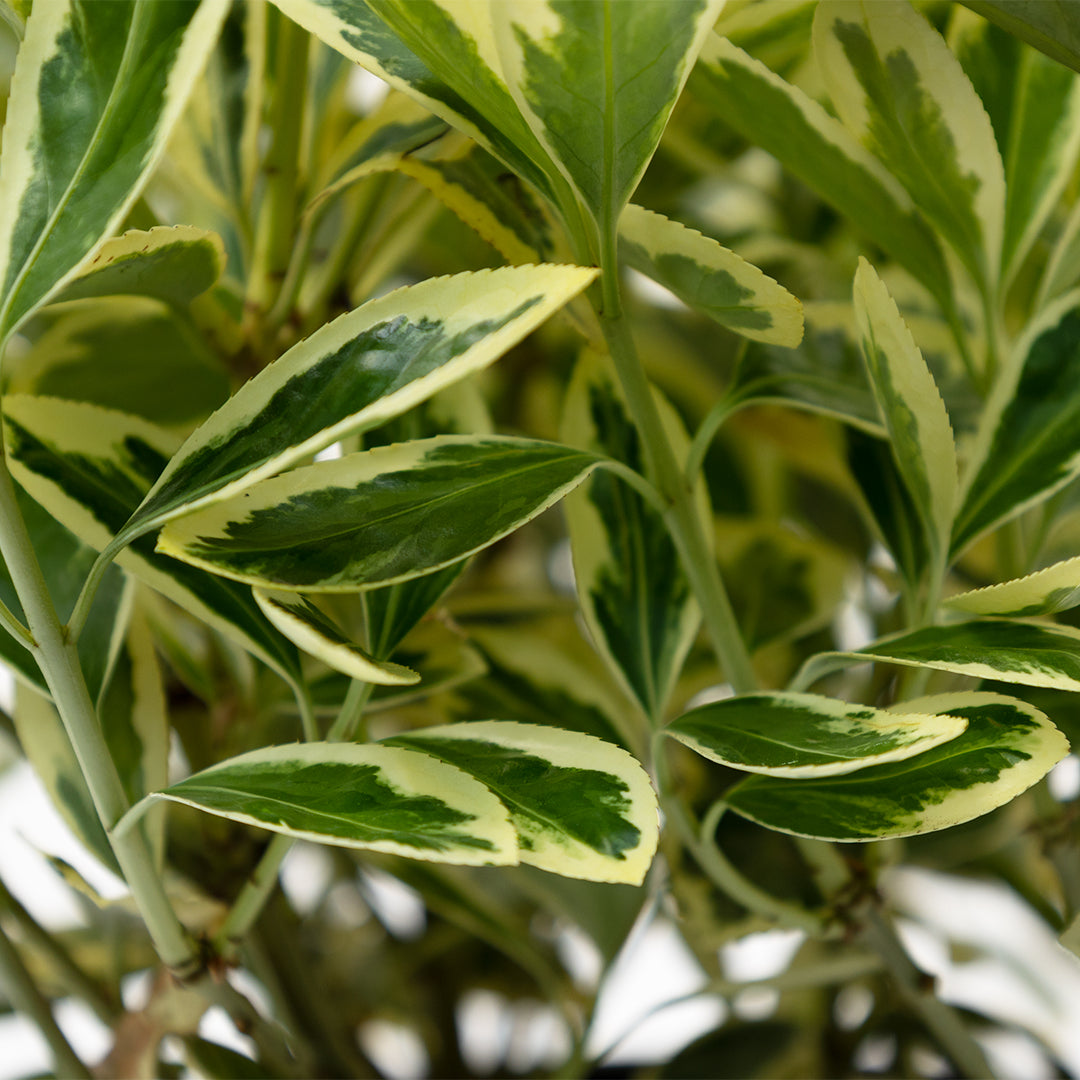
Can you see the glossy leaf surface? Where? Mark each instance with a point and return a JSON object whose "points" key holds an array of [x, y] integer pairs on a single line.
{"points": [[96, 92], [581, 807], [378, 797], [1008, 746], [354, 373], [385, 515], [1056, 588], [1053, 28], [803, 735], [710, 278]]}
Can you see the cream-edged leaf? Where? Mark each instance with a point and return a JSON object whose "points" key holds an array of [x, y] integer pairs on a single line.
{"points": [[379, 798], [316, 633], [807, 736], [89, 468], [1007, 746], [903, 94], [354, 373], [96, 91], [910, 405], [596, 83], [374, 518], [1056, 588], [710, 278], [581, 807]]}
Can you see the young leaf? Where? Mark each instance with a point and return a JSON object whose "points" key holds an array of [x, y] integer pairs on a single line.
{"points": [[1057, 588], [169, 263], [89, 468], [381, 798], [1028, 444], [634, 594], [310, 629], [96, 90], [799, 133], [1053, 29], [910, 405], [1008, 746], [386, 515], [354, 373], [902, 93], [710, 278], [581, 807], [596, 83], [806, 736]]}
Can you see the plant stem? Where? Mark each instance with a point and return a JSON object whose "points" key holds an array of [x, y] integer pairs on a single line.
{"points": [[70, 975], [343, 729], [917, 991], [20, 988], [59, 663], [681, 516]]}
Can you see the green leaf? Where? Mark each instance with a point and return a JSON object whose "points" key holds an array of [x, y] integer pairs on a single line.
{"points": [[799, 133], [581, 807], [1008, 746], [96, 91], [710, 278], [634, 595], [596, 83], [310, 629], [90, 468], [98, 351], [442, 56], [375, 797], [173, 264], [910, 405], [803, 735], [1052, 27], [1030, 654], [902, 93], [1028, 444], [378, 517], [1057, 588], [355, 373]]}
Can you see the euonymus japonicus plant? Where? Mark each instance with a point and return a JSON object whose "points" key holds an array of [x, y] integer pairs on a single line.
{"points": [[267, 496]]}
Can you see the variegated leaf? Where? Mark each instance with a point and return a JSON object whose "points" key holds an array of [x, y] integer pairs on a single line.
{"points": [[902, 93], [1031, 654], [381, 798], [581, 807], [799, 133], [173, 264], [358, 371], [910, 405], [1028, 443], [1057, 588], [442, 55], [596, 83], [316, 633], [634, 594], [806, 736], [89, 468], [97, 89], [1052, 28], [710, 278], [374, 518], [1008, 746]]}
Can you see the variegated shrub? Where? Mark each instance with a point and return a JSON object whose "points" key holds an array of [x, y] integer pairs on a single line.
{"points": [[312, 311]]}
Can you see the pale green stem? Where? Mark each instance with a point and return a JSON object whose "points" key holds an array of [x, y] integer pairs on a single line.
{"points": [[59, 663], [256, 891], [917, 991], [681, 516], [638, 483], [24, 995], [10, 623], [308, 723], [81, 611]]}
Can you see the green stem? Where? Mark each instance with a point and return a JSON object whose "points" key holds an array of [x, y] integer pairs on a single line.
{"points": [[70, 975], [343, 729], [24, 995], [81, 612], [917, 991], [59, 663], [681, 516], [10, 623]]}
